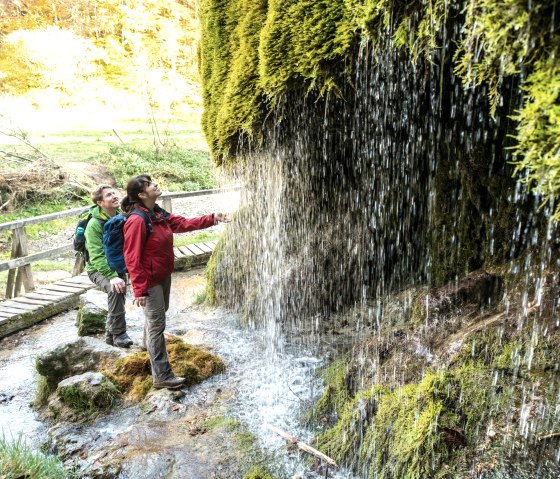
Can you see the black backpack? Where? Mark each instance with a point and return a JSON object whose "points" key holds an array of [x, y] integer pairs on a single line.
{"points": [[79, 240]]}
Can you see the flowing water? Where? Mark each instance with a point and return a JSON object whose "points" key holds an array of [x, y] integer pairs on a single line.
{"points": [[400, 180], [267, 387]]}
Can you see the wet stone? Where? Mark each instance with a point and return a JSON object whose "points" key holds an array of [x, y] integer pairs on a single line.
{"points": [[92, 313], [163, 402], [76, 357]]}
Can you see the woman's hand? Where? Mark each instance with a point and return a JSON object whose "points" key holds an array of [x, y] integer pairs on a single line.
{"points": [[221, 218], [140, 301]]}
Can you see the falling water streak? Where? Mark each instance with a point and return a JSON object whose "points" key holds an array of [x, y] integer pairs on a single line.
{"points": [[356, 196]]}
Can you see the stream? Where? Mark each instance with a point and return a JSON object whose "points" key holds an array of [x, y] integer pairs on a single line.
{"points": [[264, 383]]}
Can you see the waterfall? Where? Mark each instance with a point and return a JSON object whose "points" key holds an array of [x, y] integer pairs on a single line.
{"points": [[391, 199]]}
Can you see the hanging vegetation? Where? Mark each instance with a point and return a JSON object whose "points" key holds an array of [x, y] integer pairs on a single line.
{"points": [[252, 52]]}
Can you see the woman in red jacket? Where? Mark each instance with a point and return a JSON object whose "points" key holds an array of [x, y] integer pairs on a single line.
{"points": [[149, 260]]}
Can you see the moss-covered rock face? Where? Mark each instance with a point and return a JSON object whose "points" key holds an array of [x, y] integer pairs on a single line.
{"points": [[379, 143], [387, 147], [467, 410], [253, 51]]}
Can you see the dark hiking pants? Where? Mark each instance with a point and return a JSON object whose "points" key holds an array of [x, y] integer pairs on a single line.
{"points": [[157, 303], [116, 322]]}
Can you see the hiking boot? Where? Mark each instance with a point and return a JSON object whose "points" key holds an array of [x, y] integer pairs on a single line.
{"points": [[121, 340], [109, 339], [172, 383]]}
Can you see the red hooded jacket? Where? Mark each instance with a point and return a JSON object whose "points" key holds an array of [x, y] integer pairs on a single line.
{"points": [[150, 262]]}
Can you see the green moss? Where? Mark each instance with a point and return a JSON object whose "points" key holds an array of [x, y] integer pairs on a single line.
{"points": [[538, 134], [103, 398], [90, 320], [254, 51], [341, 441], [221, 422], [338, 391], [132, 374], [258, 472], [211, 272], [413, 430], [192, 363], [43, 392]]}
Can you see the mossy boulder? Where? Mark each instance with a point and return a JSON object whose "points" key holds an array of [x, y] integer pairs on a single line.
{"points": [[76, 357], [133, 376], [88, 393], [91, 317]]}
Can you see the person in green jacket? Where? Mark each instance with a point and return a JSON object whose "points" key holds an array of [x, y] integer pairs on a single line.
{"points": [[106, 201]]}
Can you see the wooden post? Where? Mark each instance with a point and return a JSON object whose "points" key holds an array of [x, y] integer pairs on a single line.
{"points": [[166, 204], [12, 272], [78, 265], [24, 274]]}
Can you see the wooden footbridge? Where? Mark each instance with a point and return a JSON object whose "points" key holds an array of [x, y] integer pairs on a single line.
{"points": [[19, 311]]}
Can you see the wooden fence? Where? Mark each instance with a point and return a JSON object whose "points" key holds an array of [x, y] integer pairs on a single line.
{"points": [[19, 265]]}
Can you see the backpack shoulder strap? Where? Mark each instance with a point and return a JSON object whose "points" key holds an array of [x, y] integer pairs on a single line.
{"points": [[147, 221]]}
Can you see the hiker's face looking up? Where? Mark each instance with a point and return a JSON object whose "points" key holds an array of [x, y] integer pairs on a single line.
{"points": [[109, 200], [151, 191]]}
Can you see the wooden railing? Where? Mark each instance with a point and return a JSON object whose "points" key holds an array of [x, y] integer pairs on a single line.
{"points": [[19, 266]]}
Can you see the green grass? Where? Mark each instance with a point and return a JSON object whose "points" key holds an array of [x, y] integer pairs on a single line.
{"points": [[173, 167], [84, 144], [18, 460], [196, 238]]}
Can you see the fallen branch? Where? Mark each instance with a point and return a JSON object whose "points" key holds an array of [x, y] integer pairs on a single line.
{"points": [[549, 436], [302, 445]]}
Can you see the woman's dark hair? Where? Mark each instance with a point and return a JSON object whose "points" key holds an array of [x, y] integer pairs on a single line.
{"points": [[135, 186]]}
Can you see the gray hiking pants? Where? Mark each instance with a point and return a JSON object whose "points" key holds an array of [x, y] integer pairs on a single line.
{"points": [[157, 303], [116, 322]]}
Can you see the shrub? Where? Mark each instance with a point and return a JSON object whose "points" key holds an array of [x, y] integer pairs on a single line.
{"points": [[174, 168]]}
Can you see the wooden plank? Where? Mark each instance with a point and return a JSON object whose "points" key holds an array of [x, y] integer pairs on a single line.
{"points": [[190, 194], [167, 204], [177, 253], [10, 293], [13, 311], [76, 211], [11, 303], [23, 306], [51, 253], [52, 295], [6, 315], [27, 300], [195, 249], [79, 265], [40, 219], [79, 280], [21, 321], [26, 274], [82, 287], [19, 282], [211, 244], [186, 251], [61, 289], [203, 247], [43, 296]]}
